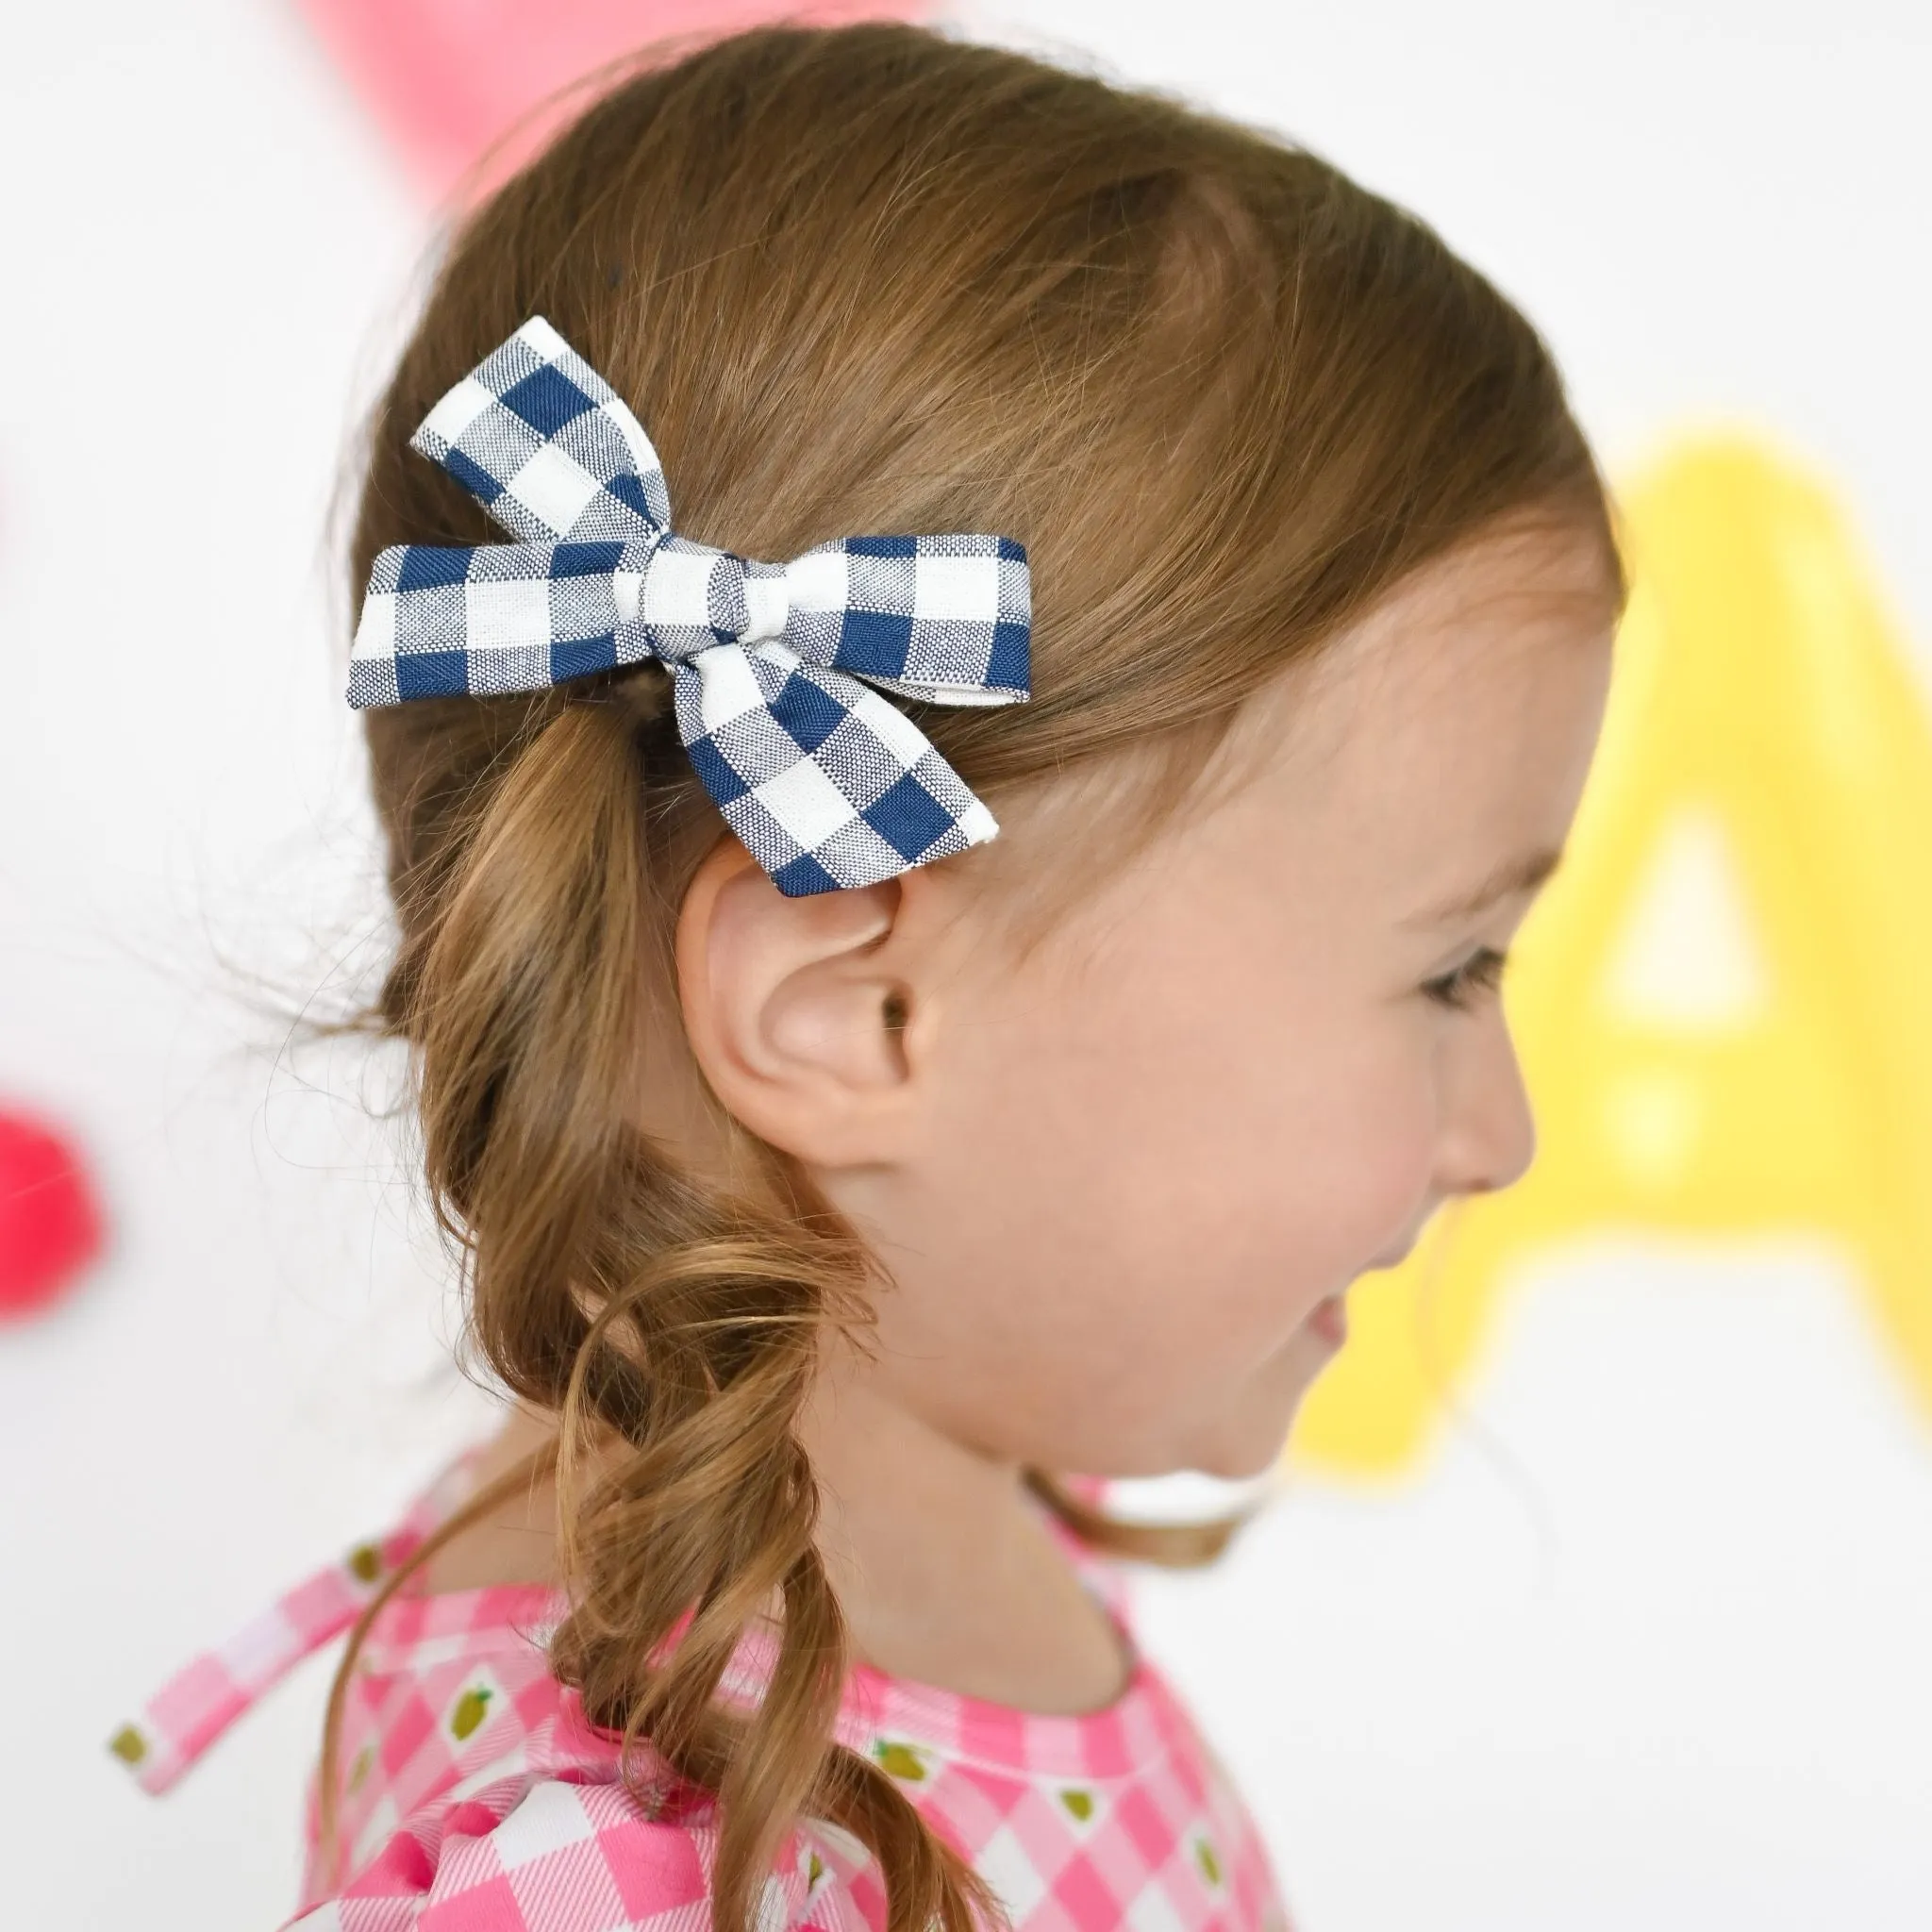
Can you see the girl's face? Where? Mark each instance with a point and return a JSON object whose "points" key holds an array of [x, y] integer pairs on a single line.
{"points": [[1123, 1182]]}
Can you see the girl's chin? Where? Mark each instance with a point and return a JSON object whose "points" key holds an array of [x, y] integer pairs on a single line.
{"points": [[1242, 1453]]}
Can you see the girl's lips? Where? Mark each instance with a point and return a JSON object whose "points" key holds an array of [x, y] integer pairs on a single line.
{"points": [[1330, 1320]]}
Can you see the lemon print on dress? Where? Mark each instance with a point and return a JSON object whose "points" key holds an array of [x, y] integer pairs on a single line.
{"points": [[128, 1744], [900, 1760], [1210, 1864], [365, 1562], [1079, 1803], [470, 1711]]}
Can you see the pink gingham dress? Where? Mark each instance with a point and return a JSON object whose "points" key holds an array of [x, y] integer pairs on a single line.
{"points": [[477, 1797]]}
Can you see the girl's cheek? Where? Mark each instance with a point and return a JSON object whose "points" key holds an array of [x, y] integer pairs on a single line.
{"points": [[1368, 1175]]}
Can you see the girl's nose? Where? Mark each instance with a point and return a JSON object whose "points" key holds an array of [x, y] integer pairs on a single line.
{"points": [[1488, 1129]]}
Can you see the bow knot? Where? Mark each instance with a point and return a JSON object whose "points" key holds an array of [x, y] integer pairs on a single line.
{"points": [[827, 784]]}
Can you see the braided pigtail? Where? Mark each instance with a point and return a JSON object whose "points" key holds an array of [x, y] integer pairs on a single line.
{"points": [[691, 1323]]}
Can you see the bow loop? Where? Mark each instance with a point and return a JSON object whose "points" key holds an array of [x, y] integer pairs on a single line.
{"points": [[547, 446], [826, 783]]}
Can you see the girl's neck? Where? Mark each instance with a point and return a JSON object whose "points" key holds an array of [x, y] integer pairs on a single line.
{"points": [[941, 1560], [944, 1562]]}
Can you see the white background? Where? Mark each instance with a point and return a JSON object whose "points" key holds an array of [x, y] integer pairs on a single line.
{"points": [[1643, 1642]]}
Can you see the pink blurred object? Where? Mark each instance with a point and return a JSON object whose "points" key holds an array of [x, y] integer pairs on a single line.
{"points": [[447, 77], [50, 1223]]}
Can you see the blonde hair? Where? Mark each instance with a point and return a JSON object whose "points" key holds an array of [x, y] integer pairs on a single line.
{"points": [[866, 278]]}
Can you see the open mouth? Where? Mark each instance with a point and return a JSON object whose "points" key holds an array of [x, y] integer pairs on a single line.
{"points": [[1330, 1320]]}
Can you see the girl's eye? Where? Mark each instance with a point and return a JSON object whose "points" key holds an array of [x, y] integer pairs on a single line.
{"points": [[1481, 971]]}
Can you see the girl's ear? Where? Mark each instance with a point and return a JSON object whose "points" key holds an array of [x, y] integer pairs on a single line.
{"points": [[799, 1012]]}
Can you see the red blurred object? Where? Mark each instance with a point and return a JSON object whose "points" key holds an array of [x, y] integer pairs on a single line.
{"points": [[447, 77], [51, 1225]]}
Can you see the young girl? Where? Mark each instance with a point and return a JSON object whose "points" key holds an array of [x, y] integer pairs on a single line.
{"points": [[1026, 456]]}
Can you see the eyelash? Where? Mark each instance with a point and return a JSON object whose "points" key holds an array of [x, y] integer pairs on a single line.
{"points": [[1482, 970]]}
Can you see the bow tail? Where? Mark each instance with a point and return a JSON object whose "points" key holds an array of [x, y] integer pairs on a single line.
{"points": [[824, 783]]}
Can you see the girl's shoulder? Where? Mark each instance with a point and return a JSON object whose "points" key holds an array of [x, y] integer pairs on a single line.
{"points": [[476, 1795], [528, 1852]]}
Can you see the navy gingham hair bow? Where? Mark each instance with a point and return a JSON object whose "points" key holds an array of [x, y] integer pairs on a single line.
{"points": [[827, 784]]}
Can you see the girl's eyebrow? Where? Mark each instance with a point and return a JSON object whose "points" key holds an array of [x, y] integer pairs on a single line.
{"points": [[1521, 875]]}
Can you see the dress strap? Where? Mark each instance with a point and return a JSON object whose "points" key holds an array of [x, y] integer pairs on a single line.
{"points": [[201, 1699]]}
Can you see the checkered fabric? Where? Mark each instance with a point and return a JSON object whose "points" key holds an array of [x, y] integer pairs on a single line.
{"points": [[825, 783], [476, 1798]]}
